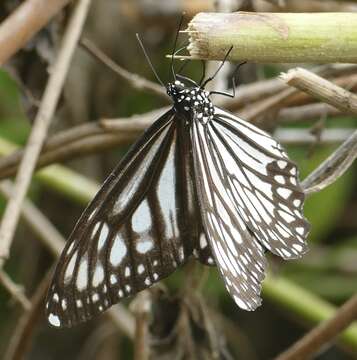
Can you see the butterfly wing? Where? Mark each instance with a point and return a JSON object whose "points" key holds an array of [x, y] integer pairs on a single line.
{"points": [[249, 199], [139, 228]]}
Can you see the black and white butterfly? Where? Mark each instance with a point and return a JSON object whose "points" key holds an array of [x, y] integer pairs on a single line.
{"points": [[200, 182]]}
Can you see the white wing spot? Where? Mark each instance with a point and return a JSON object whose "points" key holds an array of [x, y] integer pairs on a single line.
{"points": [[241, 303], [54, 320], [282, 164], [64, 304], [98, 276], [120, 293], [287, 217], [103, 236], [141, 220], [141, 269], [297, 247], [283, 192], [300, 230], [203, 241], [79, 303], [95, 297], [82, 276], [155, 276], [127, 271], [113, 279], [297, 202], [118, 251], [280, 179], [147, 281], [55, 297], [144, 246]]}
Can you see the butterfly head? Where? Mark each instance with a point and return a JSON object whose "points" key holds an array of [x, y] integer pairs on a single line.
{"points": [[193, 102]]}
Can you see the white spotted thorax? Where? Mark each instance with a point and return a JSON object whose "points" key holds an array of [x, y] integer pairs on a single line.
{"points": [[191, 101]]}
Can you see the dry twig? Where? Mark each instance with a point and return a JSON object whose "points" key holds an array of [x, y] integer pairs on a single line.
{"points": [[333, 167], [322, 89], [30, 17], [310, 344], [16, 291], [141, 308], [42, 122]]}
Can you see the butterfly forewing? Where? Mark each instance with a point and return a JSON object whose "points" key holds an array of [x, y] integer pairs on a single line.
{"points": [[139, 228]]}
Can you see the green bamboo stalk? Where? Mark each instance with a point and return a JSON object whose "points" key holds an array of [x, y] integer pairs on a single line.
{"points": [[294, 298], [305, 304], [60, 178], [275, 37]]}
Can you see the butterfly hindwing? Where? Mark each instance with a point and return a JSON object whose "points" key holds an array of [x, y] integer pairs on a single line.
{"points": [[139, 228], [264, 183], [250, 200], [238, 255]]}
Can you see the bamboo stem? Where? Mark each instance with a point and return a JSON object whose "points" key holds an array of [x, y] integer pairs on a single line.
{"points": [[275, 37]]}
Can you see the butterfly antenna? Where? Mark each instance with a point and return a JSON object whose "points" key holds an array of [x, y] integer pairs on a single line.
{"points": [[174, 48], [219, 68], [149, 61]]}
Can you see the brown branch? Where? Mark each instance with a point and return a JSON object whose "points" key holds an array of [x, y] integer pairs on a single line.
{"points": [[20, 26], [16, 291], [141, 308], [23, 335], [247, 94], [310, 344], [322, 89], [41, 125], [306, 112], [136, 81]]}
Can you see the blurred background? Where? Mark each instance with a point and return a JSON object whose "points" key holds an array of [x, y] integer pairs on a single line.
{"points": [[91, 93]]}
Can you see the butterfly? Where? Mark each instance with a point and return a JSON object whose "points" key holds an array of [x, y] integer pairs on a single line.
{"points": [[200, 182]]}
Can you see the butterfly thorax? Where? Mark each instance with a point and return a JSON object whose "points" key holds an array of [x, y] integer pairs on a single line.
{"points": [[192, 102]]}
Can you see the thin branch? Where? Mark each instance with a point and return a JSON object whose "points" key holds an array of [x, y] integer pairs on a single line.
{"points": [[41, 125], [22, 337], [305, 112], [140, 306], [310, 344], [136, 81], [20, 26], [63, 146], [333, 167], [37, 222], [322, 89], [16, 291]]}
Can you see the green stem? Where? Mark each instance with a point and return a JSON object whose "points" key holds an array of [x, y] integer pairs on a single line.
{"points": [[275, 37], [60, 178], [305, 304], [282, 291]]}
